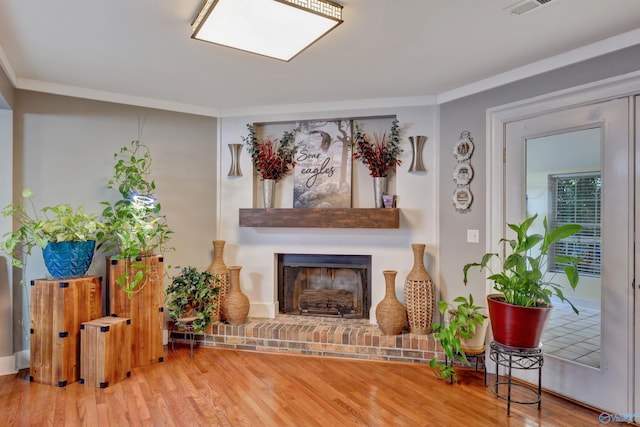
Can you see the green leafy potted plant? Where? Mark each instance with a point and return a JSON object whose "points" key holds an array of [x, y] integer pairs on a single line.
{"points": [[272, 159], [66, 235], [466, 325], [380, 153], [192, 294], [134, 226], [519, 313]]}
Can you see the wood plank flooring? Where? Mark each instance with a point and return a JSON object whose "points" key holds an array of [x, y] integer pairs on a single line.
{"points": [[239, 388]]}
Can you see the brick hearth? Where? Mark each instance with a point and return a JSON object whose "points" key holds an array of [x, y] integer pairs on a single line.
{"points": [[320, 336]]}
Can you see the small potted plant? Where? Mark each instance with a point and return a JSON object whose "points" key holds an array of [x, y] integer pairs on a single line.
{"points": [[134, 225], [272, 159], [380, 153], [66, 235], [192, 295], [519, 312], [462, 335]]}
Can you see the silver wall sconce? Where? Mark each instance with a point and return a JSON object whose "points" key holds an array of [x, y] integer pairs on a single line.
{"points": [[235, 150], [417, 144]]}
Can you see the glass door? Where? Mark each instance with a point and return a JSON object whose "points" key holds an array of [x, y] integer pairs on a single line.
{"points": [[576, 165]]}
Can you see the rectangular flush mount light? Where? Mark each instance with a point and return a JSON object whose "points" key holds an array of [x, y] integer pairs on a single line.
{"points": [[276, 28]]}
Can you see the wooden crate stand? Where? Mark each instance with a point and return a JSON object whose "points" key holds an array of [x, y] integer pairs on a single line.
{"points": [[58, 308], [144, 308], [104, 358]]}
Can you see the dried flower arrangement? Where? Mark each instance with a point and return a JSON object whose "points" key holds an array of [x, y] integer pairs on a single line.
{"points": [[272, 158], [380, 152]]}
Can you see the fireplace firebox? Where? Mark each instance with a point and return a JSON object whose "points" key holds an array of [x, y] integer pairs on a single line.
{"points": [[325, 285]]}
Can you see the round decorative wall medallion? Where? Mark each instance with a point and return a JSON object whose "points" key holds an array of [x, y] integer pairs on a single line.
{"points": [[463, 173], [464, 148], [462, 199]]}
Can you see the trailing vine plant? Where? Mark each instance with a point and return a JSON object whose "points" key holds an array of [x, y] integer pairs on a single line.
{"points": [[464, 318], [192, 293], [135, 225]]}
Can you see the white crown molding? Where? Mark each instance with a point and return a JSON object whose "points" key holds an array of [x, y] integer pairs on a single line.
{"points": [[119, 98], [354, 104], [567, 58], [593, 50]]}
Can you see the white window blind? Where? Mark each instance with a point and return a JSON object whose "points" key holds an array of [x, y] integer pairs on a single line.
{"points": [[575, 198]]}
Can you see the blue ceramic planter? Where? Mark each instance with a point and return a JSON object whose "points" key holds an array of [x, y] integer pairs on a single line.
{"points": [[68, 259]]}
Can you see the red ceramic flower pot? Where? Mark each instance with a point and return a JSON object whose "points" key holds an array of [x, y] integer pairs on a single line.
{"points": [[516, 326]]}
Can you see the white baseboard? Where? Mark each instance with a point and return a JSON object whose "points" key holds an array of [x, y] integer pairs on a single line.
{"points": [[8, 365], [14, 362], [23, 359]]}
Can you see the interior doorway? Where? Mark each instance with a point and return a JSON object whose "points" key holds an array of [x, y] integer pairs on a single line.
{"points": [[609, 298]]}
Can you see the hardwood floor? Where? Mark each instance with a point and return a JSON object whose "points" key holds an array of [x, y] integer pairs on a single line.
{"points": [[238, 388]]}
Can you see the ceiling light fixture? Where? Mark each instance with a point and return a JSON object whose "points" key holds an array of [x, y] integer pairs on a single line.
{"points": [[276, 28]]}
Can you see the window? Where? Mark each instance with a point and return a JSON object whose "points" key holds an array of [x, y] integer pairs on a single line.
{"points": [[575, 198]]}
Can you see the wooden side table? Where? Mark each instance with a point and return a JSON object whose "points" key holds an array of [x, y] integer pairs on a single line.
{"points": [[516, 358], [58, 308], [105, 358]]}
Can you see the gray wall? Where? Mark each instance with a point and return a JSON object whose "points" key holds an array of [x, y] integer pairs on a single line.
{"points": [[469, 114], [63, 151], [6, 91]]}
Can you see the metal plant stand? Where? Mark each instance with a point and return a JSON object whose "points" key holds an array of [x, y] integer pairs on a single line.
{"points": [[187, 330], [516, 358]]}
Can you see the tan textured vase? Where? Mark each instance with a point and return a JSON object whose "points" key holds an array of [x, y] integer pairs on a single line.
{"points": [[219, 269], [235, 305], [419, 294], [390, 313]]}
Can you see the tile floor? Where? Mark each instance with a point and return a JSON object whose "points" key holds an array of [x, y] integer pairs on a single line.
{"points": [[573, 337]]}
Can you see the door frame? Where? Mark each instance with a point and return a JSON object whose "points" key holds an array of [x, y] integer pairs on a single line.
{"points": [[496, 120], [7, 322]]}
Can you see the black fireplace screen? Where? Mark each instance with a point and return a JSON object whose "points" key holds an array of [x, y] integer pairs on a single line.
{"points": [[325, 285]]}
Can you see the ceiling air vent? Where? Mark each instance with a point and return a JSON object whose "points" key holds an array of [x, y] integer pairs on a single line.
{"points": [[524, 6]]}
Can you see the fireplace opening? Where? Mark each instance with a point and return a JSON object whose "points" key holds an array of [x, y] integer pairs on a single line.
{"points": [[325, 285]]}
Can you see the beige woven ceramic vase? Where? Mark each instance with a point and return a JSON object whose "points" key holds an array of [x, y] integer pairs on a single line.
{"points": [[235, 305], [219, 269], [390, 313], [419, 294]]}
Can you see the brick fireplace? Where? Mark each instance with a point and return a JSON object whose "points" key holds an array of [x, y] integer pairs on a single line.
{"points": [[325, 285], [320, 336], [324, 309]]}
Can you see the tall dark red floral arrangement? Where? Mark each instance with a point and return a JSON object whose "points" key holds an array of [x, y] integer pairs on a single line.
{"points": [[379, 152], [272, 158]]}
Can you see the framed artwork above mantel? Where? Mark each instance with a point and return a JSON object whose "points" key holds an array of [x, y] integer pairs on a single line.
{"points": [[322, 174], [325, 175]]}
